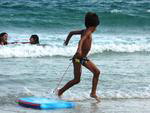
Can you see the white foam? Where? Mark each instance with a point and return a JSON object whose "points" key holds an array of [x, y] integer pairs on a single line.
{"points": [[43, 51], [34, 51], [115, 11], [101, 43], [148, 10], [110, 94], [120, 48], [85, 96], [76, 95], [126, 94]]}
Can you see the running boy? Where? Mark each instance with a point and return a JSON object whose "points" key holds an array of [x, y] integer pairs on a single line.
{"points": [[80, 57]]}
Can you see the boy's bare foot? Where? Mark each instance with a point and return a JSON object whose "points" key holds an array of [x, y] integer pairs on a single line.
{"points": [[96, 97], [59, 93]]}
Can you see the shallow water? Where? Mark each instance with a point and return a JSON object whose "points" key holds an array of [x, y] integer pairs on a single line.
{"points": [[120, 49]]}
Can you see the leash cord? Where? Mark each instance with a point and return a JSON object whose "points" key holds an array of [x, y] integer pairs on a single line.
{"points": [[62, 77]]}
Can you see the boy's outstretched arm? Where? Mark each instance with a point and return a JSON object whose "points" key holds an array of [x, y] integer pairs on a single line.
{"points": [[71, 34]]}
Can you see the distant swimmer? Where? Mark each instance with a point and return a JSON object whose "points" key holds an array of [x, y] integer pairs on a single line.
{"points": [[80, 57], [3, 38], [34, 39]]}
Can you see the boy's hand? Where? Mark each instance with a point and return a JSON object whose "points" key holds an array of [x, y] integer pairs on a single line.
{"points": [[65, 43]]}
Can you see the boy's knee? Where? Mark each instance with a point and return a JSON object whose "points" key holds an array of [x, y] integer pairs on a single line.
{"points": [[97, 73]]}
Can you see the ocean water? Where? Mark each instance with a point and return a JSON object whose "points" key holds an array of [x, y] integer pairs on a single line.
{"points": [[121, 50]]}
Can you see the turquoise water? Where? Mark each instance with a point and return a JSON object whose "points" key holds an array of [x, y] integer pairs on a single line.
{"points": [[45, 16], [121, 50]]}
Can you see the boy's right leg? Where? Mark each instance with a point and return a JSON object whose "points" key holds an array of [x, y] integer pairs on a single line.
{"points": [[76, 80], [96, 72]]}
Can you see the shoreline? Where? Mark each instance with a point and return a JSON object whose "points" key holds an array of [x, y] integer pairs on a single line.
{"points": [[105, 106]]}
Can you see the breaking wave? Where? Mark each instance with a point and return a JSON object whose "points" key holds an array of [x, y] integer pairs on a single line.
{"points": [[11, 51]]}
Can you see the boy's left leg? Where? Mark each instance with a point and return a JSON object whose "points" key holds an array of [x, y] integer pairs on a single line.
{"points": [[96, 72], [76, 80]]}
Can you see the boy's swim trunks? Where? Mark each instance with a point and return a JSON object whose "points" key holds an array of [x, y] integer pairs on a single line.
{"points": [[80, 60]]}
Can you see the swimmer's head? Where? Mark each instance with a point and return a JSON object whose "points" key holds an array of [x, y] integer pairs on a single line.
{"points": [[34, 39], [3, 37]]}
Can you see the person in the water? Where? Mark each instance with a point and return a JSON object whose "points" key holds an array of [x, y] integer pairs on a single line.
{"points": [[80, 57], [34, 39], [3, 38]]}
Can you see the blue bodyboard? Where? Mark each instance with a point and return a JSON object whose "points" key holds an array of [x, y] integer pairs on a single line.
{"points": [[44, 103]]}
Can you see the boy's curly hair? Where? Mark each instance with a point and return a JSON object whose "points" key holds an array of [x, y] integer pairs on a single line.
{"points": [[91, 19]]}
